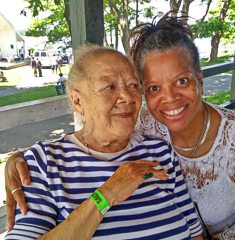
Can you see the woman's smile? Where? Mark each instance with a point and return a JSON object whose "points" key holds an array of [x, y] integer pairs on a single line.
{"points": [[174, 112]]}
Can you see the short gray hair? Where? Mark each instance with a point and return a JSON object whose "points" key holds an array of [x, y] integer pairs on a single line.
{"points": [[80, 68]]}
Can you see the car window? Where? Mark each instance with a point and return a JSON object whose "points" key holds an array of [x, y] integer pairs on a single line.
{"points": [[43, 54], [36, 54]]}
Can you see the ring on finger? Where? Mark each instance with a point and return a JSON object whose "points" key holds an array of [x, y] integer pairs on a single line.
{"points": [[15, 190], [148, 175]]}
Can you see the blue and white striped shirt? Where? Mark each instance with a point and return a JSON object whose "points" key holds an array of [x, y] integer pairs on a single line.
{"points": [[63, 176]]}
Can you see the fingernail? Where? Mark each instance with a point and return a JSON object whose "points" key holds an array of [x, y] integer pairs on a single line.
{"points": [[22, 211], [26, 181]]}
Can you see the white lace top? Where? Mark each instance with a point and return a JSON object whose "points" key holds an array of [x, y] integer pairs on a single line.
{"points": [[210, 179]]}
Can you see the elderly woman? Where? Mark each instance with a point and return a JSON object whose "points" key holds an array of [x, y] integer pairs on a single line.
{"points": [[94, 183], [167, 63]]}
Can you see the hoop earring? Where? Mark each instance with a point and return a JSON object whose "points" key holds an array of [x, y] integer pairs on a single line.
{"points": [[204, 97]]}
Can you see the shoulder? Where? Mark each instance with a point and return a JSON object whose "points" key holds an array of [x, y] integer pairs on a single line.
{"points": [[149, 142], [51, 147], [224, 112]]}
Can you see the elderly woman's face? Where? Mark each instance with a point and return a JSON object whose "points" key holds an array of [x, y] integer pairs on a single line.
{"points": [[172, 90], [110, 96]]}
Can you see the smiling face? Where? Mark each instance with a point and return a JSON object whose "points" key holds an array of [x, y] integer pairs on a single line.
{"points": [[110, 97], [172, 90]]}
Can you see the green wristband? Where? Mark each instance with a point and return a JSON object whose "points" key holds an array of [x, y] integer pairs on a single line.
{"points": [[100, 201]]}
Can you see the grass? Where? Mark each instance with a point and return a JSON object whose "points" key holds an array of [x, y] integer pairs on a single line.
{"points": [[219, 60], [13, 79], [65, 69], [219, 98], [35, 94]]}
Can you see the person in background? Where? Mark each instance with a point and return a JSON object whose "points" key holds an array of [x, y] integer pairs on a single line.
{"points": [[34, 67], [61, 84], [59, 61], [54, 64], [39, 67], [22, 54], [31, 57], [104, 181], [202, 134]]}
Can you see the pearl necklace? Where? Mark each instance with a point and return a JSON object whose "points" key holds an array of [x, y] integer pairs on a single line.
{"points": [[205, 129]]}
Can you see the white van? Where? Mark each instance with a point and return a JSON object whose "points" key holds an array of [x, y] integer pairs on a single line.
{"points": [[44, 57]]}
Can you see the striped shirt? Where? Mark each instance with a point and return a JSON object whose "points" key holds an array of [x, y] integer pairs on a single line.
{"points": [[63, 175]]}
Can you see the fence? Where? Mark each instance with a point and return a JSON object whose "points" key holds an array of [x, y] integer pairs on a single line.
{"points": [[221, 68]]}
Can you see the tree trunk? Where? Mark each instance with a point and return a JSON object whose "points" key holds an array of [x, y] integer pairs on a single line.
{"points": [[214, 48], [185, 7], [137, 13], [105, 39], [111, 36], [67, 15], [174, 5], [215, 40], [116, 38], [202, 21], [122, 21]]}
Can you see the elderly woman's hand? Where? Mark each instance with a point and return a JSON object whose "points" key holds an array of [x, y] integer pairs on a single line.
{"points": [[16, 174], [127, 179]]}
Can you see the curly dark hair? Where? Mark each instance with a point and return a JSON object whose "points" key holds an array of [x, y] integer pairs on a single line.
{"points": [[166, 34]]}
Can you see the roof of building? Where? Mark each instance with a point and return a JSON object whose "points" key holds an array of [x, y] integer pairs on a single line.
{"points": [[5, 24]]}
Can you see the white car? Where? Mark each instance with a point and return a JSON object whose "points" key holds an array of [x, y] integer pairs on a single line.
{"points": [[44, 57]]}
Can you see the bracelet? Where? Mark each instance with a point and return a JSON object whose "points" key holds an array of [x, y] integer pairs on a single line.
{"points": [[100, 201]]}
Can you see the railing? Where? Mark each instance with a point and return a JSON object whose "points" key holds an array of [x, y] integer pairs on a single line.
{"points": [[221, 68]]}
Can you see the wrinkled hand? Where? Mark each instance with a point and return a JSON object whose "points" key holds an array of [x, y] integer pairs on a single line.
{"points": [[127, 178], [16, 174]]}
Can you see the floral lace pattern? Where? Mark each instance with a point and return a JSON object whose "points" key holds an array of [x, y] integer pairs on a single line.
{"points": [[210, 178]]}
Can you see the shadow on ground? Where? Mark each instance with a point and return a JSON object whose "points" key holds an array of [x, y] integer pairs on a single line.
{"points": [[26, 135]]}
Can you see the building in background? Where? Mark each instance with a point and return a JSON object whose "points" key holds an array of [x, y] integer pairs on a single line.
{"points": [[11, 40]]}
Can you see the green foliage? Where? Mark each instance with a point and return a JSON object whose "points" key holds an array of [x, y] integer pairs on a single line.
{"points": [[215, 26], [55, 26]]}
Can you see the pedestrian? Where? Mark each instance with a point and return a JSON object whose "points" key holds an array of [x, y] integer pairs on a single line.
{"points": [[39, 67], [59, 61], [31, 57], [34, 67], [54, 64], [22, 53], [60, 84]]}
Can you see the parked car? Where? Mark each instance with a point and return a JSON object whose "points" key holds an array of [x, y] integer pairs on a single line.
{"points": [[44, 57], [65, 59]]}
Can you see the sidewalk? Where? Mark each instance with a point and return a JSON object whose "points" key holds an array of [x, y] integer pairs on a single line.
{"points": [[30, 82]]}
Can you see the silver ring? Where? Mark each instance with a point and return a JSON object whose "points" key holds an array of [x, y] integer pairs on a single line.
{"points": [[15, 190]]}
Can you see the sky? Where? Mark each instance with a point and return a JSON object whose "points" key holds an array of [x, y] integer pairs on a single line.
{"points": [[11, 10]]}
